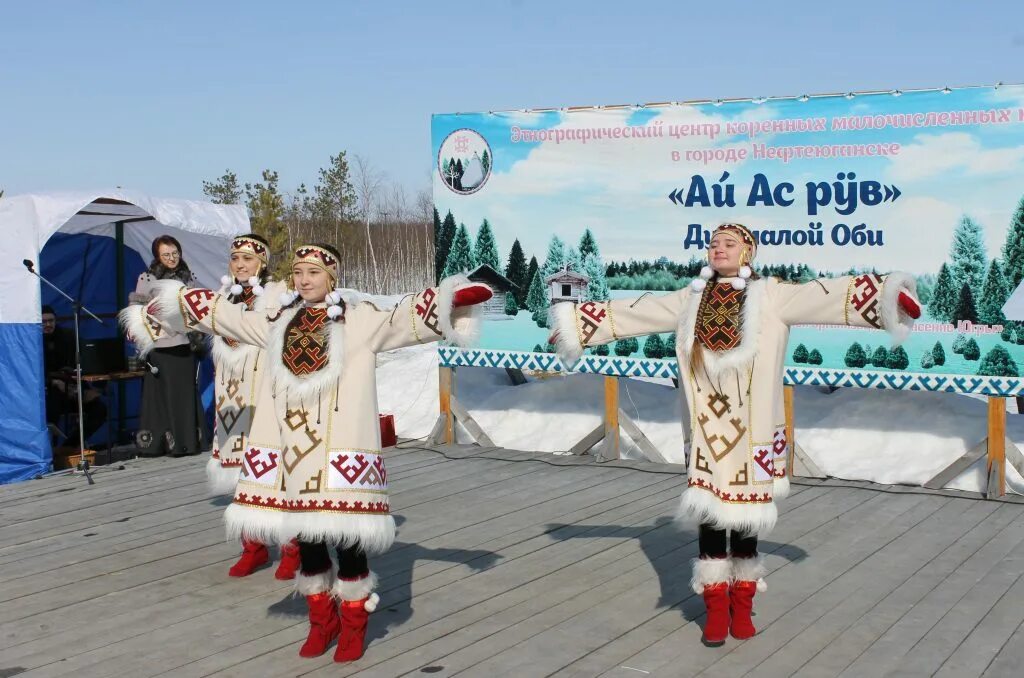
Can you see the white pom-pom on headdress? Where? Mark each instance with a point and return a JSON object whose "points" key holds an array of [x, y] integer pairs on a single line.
{"points": [[698, 284], [333, 297], [287, 298], [706, 272], [236, 289], [334, 311], [745, 272], [738, 283], [254, 283], [226, 280]]}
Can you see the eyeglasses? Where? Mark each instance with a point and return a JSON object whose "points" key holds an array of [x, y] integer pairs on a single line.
{"points": [[170, 255]]}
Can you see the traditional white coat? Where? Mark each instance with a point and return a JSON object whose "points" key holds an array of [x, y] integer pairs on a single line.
{"points": [[738, 448], [313, 465]]}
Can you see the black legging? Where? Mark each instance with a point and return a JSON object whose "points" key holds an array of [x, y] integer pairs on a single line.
{"points": [[713, 543], [315, 558]]}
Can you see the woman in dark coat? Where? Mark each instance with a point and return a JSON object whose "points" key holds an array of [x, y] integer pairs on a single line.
{"points": [[170, 420]]}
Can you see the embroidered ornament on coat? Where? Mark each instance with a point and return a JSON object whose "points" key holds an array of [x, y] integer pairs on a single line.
{"points": [[305, 342]]}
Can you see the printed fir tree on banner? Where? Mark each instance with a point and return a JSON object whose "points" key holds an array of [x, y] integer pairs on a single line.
{"points": [[1013, 249], [516, 271], [597, 285], [967, 255], [998, 363], [855, 356], [965, 308], [460, 258], [443, 246], [654, 348], [588, 245], [944, 296], [993, 296], [555, 259], [486, 250], [537, 298]]}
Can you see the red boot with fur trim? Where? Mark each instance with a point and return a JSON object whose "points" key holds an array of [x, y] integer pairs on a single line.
{"points": [[747, 576], [356, 602], [254, 555], [324, 623], [289, 564], [711, 580]]}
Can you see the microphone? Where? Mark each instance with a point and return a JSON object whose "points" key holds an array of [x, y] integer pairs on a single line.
{"points": [[29, 265]]}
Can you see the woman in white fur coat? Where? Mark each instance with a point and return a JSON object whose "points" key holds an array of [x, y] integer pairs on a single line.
{"points": [[732, 329], [313, 467]]}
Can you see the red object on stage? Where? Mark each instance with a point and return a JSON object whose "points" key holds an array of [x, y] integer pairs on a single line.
{"points": [[387, 431]]}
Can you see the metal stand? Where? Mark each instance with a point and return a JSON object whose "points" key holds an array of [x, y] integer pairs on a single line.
{"points": [[77, 307]]}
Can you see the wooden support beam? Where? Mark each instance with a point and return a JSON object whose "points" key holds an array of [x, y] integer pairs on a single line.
{"points": [[996, 447], [516, 376], [787, 399], [462, 416], [610, 450], [447, 390], [642, 441], [588, 441]]}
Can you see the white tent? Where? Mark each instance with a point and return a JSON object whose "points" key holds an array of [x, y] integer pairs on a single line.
{"points": [[130, 221]]}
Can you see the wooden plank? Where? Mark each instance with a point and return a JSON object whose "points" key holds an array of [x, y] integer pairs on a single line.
{"points": [[637, 436], [164, 613], [996, 464], [446, 385], [787, 402], [886, 608], [588, 441], [610, 448], [469, 423], [904, 643], [951, 472], [842, 538], [516, 376]]}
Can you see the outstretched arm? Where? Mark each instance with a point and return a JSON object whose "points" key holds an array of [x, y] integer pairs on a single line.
{"points": [[449, 311], [177, 309], [886, 302], [591, 323]]}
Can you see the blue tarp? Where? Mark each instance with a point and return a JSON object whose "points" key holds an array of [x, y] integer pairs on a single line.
{"points": [[85, 267]]}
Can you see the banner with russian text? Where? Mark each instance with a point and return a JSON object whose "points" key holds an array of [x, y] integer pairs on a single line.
{"points": [[613, 202]]}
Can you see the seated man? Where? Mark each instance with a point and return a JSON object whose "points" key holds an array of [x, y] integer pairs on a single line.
{"points": [[59, 369]]}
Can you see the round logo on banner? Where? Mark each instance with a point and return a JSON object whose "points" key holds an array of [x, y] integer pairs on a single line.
{"points": [[464, 161]]}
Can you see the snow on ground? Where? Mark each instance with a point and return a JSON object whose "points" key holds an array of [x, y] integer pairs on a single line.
{"points": [[890, 437]]}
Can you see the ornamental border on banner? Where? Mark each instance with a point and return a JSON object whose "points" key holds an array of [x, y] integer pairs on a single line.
{"points": [[792, 376]]}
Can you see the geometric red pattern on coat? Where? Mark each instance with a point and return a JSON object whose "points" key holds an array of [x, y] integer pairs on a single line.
{"points": [[731, 497], [427, 310], [198, 302], [765, 458], [350, 471], [305, 342], [592, 317], [718, 317], [259, 467], [864, 297], [299, 505]]}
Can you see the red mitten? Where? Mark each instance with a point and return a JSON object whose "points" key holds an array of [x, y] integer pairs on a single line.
{"points": [[910, 305], [471, 294]]}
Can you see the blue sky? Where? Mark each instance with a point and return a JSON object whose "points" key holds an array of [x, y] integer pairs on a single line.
{"points": [[158, 96]]}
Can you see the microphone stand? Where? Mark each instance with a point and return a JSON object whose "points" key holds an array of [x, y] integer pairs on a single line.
{"points": [[83, 464]]}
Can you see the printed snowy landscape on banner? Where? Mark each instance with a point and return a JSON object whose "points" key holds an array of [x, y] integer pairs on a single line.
{"points": [[590, 204]]}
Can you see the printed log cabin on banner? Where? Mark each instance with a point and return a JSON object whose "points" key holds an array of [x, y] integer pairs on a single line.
{"points": [[864, 297]]}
